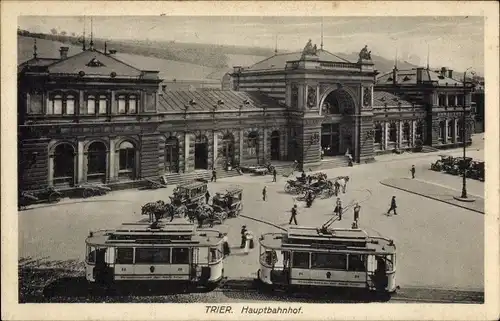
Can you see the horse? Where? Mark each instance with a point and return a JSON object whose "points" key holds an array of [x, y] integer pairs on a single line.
{"points": [[342, 180], [156, 209]]}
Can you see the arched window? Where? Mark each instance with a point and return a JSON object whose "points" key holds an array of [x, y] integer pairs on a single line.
{"points": [[96, 166], [127, 160], [442, 126], [393, 132], [406, 132], [253, 144], [91, 105], [70, 105], [378, 134], [57, 105]]}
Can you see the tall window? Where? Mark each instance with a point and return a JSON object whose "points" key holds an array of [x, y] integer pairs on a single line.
{"points": [[122, 104], [406, 132], [450, 128], [419, 130], [460, 100], [91, 105], [451, 100], [253, 144], [378, 134], [132, 104], [442, 126], [58, 105], [103, 104], [127, 104], [442, 100], [393, 132], [70, 105], [127, 160], [460, 133]]}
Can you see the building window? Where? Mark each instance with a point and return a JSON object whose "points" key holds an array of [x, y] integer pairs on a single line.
{"points": [[393, 132], [451, 100], [442, 100], [419, 130], [127, 160], [132, 104], [460, 100], [70, 105], [442, 126], [127, 104], [378, 134], [406, 132], [57, 105], [460, 133], [253, 144], [91, 105], [122, 108], [450, 128], [103, 105]]}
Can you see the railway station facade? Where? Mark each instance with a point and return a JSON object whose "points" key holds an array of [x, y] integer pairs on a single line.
{"points": [[93, 118]]}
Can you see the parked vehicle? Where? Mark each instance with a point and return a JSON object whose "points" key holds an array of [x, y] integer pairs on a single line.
{"points": [[231, 202], [89, 190]]}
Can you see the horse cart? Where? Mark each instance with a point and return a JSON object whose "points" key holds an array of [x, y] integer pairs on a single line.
{"points": [[161, 182], [48, 195], [89, 190], [231, 202]]}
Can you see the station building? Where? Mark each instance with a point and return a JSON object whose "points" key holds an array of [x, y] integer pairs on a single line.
{"points": [[93, 118]]}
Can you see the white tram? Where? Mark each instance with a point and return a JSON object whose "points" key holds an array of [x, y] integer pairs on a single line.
{"points": [[163, 251], [343, 258]]}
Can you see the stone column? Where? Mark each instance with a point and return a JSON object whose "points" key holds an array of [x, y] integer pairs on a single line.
{"points": [[216, 148], [114, 163], [445, 138], [399, 136], [446, 100], [80, 178], [455, 131], [81, 105], [385, 134], [50, 179], [413, 131], [241, 145], [186, 151], [266, 157]]}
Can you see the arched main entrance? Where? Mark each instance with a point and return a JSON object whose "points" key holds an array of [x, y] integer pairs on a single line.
{"points": [[172, 155], [337, 105], [227, 149], [96, 162], [253, 146], [64, 165], [201, 152], [127, 160], [275, 145]]}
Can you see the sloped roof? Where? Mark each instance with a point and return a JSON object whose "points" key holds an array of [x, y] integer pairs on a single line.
{"points": [[380, 98], [93, 62], [279, 61], [409, 77], [206, 100], [36, 62]]}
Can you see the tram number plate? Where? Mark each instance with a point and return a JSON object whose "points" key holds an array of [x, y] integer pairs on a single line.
{"points": [[330, 283]]}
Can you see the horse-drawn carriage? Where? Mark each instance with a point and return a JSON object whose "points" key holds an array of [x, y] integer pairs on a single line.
{"points": [[476, 170], [48, 195], [89, 190], [193, 192], [456, 165], [230, 202], [444, 163]]}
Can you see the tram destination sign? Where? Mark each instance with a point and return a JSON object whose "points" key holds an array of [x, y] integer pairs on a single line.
{"points": [[330, 283], [152, 277]]}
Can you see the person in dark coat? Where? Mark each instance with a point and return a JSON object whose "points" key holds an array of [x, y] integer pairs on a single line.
{"points": [[412, 170], [293, 217], [393, 206], [357, 208], [225, 245], [243, 236], [264, 193], [337, 187], [338, 208], [274, 174], [214, 175], [207, 197]]}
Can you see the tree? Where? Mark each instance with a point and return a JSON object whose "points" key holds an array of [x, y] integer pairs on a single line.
{"points": [[53, 31]]}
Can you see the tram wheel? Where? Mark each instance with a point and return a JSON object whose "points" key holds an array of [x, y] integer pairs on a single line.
{"points": [[288, 188]]}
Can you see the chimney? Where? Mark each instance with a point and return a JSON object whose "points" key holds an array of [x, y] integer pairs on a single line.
{"points": [[420, 71], [63, 52], [112, 51], [395, 75], [450, 73], [443, 71]]}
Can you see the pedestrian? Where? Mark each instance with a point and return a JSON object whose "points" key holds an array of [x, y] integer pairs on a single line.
{"points": [[357, 208], [243, 236], [338, 208], [225, 244], [207, 197], [248, 242], [293, 217], [393, 206], [274, 174], [412, 170], [337, 187], [214, 176], [264, 193]]}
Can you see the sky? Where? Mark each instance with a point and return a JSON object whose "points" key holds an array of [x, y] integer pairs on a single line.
{"points": [[454, 42]]}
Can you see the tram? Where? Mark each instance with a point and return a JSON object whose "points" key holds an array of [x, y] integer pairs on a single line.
{"points": [[162, 251], [322, 257]]}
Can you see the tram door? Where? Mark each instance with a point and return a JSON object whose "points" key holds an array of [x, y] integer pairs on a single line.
{"points": [[104, 264], [377, 272], [204, 256]]}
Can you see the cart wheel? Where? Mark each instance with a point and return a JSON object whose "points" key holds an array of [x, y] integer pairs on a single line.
{"points": [[54, 198], [87, 193], [288, 188]]}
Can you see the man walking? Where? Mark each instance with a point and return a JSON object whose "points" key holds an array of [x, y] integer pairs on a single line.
{"points": [[338, 208], [412, 170], [214, 176], [207, 197], [274, 174], [293, 217], [393, 206], [357, 208], [264, 193]]}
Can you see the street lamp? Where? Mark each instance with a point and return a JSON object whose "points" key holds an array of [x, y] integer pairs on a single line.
{"points": [[464, 196]]}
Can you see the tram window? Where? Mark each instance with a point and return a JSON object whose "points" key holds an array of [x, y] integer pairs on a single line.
{"points": [[329, 261], [215, 254], [356, 263], [389, 261], [124, 255], [90, 254], [180, 255], [300, 260], [152, 255]]}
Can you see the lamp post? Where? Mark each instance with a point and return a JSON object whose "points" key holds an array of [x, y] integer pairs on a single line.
{"points": [[464, 196]]}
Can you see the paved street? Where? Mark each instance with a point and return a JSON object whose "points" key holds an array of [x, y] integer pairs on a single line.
{"points": [[439, 245]]}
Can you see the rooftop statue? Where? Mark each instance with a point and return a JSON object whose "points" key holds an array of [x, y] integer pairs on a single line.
{"points": [[309, 49], [364, 54]]}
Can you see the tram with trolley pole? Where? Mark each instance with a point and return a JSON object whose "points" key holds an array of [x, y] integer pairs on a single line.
{"points": [[151, 252], [306, 257]]}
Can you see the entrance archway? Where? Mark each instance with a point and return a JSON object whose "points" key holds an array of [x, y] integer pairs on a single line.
{"points": [[275, 145], [330, 139], [127, 161], [96, 162], [228, 149], [64, 165], [253, 146], [201, 152], [172, 155]]}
